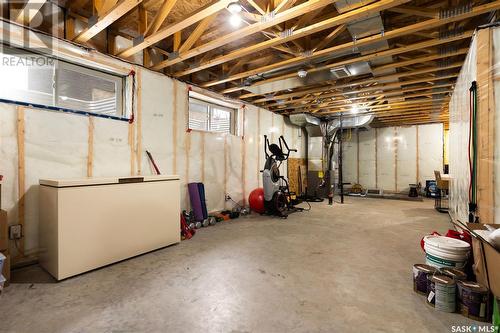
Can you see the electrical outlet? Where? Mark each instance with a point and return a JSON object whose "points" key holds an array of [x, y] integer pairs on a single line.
{"points": [[15, 231]]}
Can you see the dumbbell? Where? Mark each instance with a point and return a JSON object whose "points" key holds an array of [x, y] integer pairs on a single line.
{"points": [[212, 220]]}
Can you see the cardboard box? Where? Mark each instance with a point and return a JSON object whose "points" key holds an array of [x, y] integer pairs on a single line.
{"points": [[6, 267], [4, 232], [486, 259]]}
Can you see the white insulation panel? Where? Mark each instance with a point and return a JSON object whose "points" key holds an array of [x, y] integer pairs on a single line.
{"points": [[57, 146], [367, 159], [386, 159], [406, 141], [350, 158]]}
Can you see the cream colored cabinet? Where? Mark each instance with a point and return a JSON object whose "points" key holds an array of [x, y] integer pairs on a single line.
{"points": [[89, 223]]}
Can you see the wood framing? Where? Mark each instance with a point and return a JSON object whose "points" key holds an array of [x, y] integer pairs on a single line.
{"points": [[29, 11], [486, 128], [105, 20]]}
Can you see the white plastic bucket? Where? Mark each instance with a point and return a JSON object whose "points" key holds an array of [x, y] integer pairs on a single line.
{"points": [[441, 251], [2, 261]]}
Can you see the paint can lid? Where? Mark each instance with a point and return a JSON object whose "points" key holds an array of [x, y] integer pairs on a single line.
{"points": [[446, 243], [442, 279], [425, 268], [454, 273], [473, 286]]}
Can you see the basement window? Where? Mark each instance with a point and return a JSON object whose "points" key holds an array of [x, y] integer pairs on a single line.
{"points": [[209, 114], [46, 82]]}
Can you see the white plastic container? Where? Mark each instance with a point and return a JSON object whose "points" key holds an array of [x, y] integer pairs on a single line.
{"points": [[2, 261], [441, 251], [2, 282]]}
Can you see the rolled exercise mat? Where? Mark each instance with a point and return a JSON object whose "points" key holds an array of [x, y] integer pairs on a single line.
{"points": [[194, 197], [420, 274], [442, 293], [201, 190], [455, 274], [474, 300]]}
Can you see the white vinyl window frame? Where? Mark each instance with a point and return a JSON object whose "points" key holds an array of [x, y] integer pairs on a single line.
{"points": [[119, 81], [210, 106]]}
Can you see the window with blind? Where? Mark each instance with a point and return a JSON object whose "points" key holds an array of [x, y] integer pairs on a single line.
{"points": [[45, 81], [211, 117]]}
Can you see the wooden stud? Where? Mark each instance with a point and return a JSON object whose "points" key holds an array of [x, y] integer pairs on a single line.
{"points": [[139, 122], [90, 147], [174, 128], [395, 159], [486, 128], [21, 186]]}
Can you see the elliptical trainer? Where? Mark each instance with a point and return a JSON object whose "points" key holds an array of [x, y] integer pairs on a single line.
{"points": [[277, 196]]}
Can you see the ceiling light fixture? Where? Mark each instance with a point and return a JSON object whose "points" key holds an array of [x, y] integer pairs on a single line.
{"points": [[354, 109], [235, 20], [234, 7], [302, 73]]}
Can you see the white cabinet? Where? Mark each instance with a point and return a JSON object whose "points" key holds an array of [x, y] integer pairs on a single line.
{"points": [[89, 223]]}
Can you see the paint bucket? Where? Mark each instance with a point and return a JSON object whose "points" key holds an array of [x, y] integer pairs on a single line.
{"points": [[474, 300], [442, 293], [455, 274], [421, 272], [441, 252]]}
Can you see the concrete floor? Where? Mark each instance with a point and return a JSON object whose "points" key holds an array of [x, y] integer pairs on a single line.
{"points": [[333, 269]]}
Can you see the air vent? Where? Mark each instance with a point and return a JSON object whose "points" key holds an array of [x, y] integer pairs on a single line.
{"points": [[340, 72]]}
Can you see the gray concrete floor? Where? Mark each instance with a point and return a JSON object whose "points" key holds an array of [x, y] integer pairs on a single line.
{"points": [[333, 269]]}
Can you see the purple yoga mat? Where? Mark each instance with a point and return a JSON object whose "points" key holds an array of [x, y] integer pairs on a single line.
{"points": [[196, 206]]}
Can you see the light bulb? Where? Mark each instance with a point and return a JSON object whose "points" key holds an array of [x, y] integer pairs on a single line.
{"points": [[234, 8], [302, 73], [235, 20]]}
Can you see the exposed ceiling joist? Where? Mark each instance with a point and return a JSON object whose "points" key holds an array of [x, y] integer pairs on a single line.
{"points": [[421, 26], [394, 85], [160, 16], [169, 30], [248, 30], [335, 21], [117, 11], [418, 11], [197, 32], [29, 11]]}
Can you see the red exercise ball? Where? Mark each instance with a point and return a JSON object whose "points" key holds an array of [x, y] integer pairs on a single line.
{"points": [[256, 200]]}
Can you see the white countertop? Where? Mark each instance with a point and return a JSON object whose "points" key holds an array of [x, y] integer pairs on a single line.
{"points": [[69, 182]]}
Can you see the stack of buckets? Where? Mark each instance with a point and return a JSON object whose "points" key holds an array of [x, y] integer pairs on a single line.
{"points": [[447, 289]]}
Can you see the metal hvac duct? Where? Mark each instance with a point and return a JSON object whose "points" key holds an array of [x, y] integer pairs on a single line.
{"points": [[308, 121]]}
